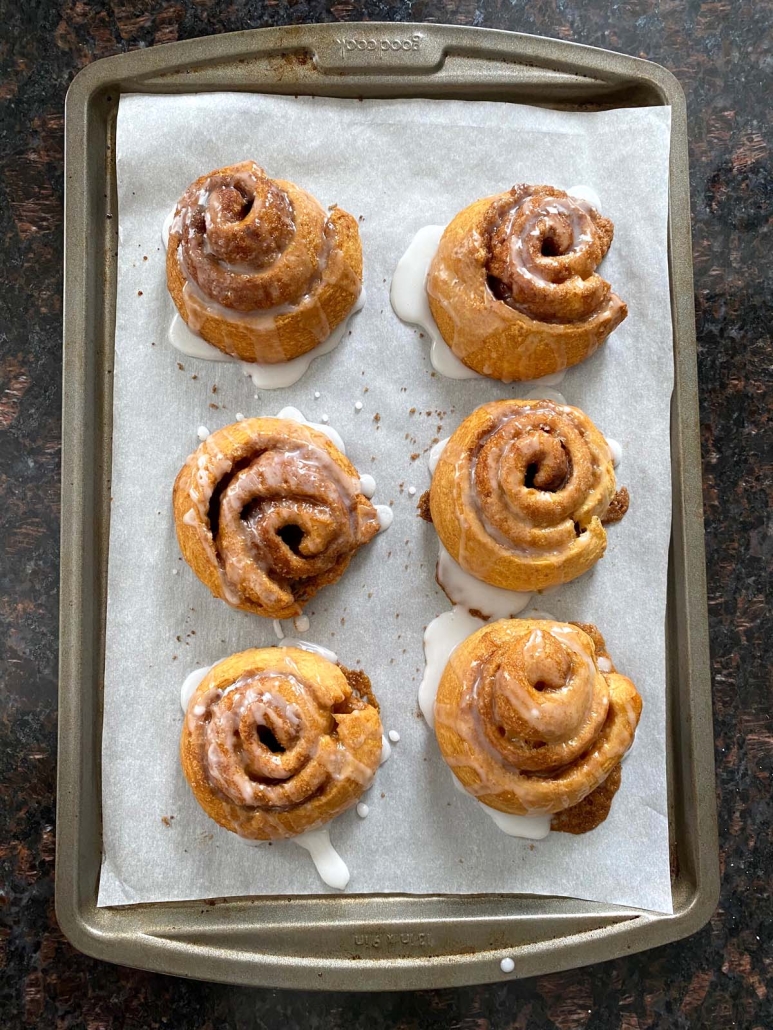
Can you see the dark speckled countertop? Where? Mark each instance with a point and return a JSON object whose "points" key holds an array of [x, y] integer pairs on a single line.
{"points": [[720, 978]]}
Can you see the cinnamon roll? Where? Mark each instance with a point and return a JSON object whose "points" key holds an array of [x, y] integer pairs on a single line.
{"points": [[277, 741], [256, 266], [530, 724], [520, 492], [513, 286], [267, 512]]}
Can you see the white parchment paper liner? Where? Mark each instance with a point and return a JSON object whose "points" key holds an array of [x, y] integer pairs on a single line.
{"points": [[398, 165]]}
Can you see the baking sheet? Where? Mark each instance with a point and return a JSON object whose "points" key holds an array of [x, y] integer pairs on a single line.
{"points": [[398, 165]]}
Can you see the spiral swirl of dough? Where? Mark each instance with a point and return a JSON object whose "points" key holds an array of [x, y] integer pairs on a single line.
{"points": [[267, 512], [276, 742], [257, 267], [527, 721], [519, 492], [513, 286]]}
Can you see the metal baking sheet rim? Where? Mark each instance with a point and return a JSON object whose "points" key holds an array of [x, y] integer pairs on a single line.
{"points": [[387, 942]]}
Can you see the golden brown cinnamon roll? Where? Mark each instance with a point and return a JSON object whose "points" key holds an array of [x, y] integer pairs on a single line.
{"points": [[520, 491], [256, 266], [267, 512], [277, 741], [530, 724], [513, 286]]}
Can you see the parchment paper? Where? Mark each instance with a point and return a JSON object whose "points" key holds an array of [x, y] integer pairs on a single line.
{"points": [[397, 165]]}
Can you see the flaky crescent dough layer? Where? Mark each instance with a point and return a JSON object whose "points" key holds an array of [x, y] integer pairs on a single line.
{"points": [[276, 741], [519, 492], [513, 286], [527, 721], [267, 512], [257, 268]]}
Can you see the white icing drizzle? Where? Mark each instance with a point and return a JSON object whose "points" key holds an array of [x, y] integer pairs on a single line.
{"points": [[166, 228], [188, 343], [617, 451], [441, 638], [532, 827], [331, 867], [191, 682], [386, 750], [367, 486], [408, 295], [410, 303], [278, 628], [434, 454], [465, 590], [264, 376], [385, 517], [297, 416], [586, 193], [276, 376], [285, 373], [305, 645]]}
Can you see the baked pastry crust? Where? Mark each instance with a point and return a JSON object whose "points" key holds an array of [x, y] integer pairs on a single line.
{"points": [[513, 286], [267, 512], [520, 491], [276, 742], [257, 268], [527, 720]]}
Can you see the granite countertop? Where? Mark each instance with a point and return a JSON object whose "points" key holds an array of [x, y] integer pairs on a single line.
{"points": [[719, 978]]}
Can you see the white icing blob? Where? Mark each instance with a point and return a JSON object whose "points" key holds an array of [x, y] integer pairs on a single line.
{"points": [[385, 516], [190, 683], [440, 638], [586, 193], [532, 827], [297, 416], [434, 454], [278, 629], [410, 302], [187, 342], [604, 664], [386, 750], [305, 645], [202, 432], [507, 965], [331, 867], [463, 589], [367, 485], [617, 451], [394, 736], [301, 623], [362, 809]]}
